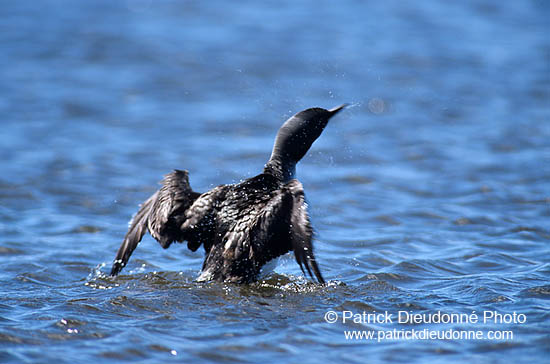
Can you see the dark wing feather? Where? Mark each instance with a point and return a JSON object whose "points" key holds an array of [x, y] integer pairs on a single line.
{"points": [[162, 215], [168, 210], [284, 225], [270, 231], [199, 219], [301, 232]]}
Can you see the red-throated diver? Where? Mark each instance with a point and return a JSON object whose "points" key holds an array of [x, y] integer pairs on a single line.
{"points": [[242, 226]]}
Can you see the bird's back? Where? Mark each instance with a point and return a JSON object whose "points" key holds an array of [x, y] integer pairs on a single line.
{"points": [[234, 254]]}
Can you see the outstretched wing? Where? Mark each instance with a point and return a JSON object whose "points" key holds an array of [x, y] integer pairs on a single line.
{"points": [[162, 215], [284, 225]]}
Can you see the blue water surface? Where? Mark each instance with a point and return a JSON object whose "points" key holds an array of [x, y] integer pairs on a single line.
{"points": [[431, 192]]}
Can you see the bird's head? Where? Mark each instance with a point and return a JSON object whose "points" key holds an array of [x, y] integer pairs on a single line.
{"points": [[299, 132], [295, 138]]}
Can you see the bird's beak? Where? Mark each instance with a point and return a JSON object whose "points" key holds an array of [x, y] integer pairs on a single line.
{"points": [[335, 110]]}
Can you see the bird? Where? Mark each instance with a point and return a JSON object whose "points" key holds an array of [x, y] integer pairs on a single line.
{"points": [[241, 226]]}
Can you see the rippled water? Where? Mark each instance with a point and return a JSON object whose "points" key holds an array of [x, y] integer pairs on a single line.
{"points": [[430, 194]]}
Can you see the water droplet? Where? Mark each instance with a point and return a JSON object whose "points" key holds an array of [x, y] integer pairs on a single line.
{"points": [[377, 105]]}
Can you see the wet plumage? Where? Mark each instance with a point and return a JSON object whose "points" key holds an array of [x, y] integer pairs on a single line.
{"points": [[241, 226]]}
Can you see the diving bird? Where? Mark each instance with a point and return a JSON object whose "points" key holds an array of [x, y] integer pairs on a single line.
{"points": [[241, 226]]}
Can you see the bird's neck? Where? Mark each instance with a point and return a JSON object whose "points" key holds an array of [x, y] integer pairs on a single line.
{"points": [[280, 168]]}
